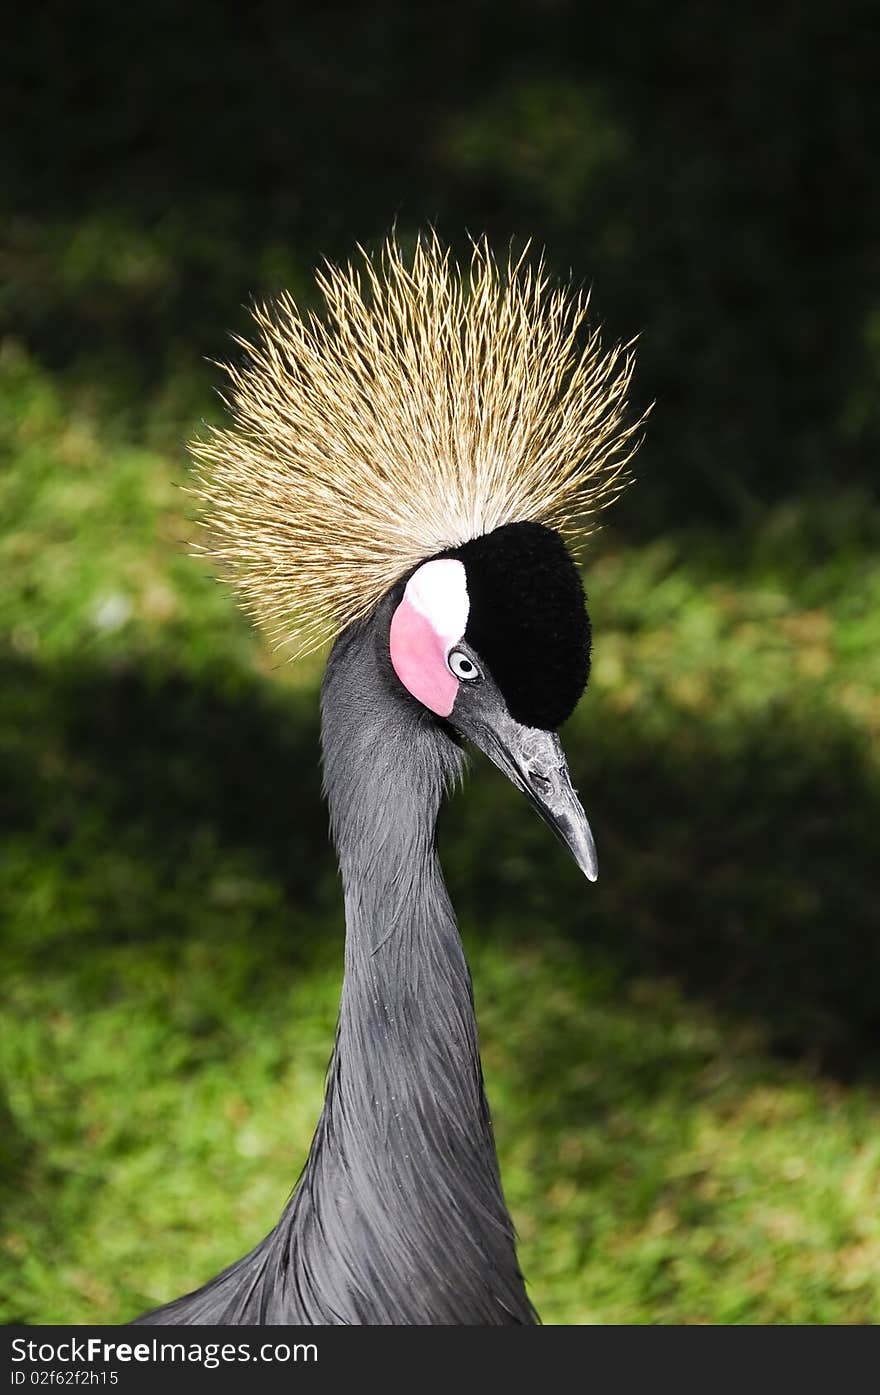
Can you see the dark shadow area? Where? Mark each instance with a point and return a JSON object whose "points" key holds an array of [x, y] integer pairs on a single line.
{"points": [[16, 1153], [742, 863], [167, 763], [712, 170]]}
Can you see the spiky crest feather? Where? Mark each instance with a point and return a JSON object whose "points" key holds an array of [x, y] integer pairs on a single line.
{"points": [[430, 405]]}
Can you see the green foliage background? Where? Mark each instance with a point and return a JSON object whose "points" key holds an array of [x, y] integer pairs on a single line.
{"points": [[682, 1060]]}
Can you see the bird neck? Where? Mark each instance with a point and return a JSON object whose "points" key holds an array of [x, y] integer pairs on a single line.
{"points": [[402, 1183]]}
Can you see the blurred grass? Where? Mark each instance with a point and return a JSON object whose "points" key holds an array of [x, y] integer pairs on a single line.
{"points": [[682, 1061]]}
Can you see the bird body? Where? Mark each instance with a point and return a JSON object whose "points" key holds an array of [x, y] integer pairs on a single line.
{"points": [[448, 631]]}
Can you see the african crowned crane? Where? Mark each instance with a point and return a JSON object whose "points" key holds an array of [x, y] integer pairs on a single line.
{"points": [[400, 474]]}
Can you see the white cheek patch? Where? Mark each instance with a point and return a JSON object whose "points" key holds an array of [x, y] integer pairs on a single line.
{"points": [[438, 591], [431, 618]]}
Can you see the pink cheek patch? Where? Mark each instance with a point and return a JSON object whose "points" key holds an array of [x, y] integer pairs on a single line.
{"points": [[418, 655]]}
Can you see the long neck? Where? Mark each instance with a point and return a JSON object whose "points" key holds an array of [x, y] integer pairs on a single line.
{"points": [[399, 1216]]}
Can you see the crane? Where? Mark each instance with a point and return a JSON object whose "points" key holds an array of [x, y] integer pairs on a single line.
{"points": [[402, 475]]}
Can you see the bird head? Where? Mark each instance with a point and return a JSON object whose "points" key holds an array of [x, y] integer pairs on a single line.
{"points": [[493, 637], [428, 442]]}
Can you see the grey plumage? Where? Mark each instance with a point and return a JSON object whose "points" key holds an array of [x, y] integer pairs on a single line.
{"points": [[399, 1215]]}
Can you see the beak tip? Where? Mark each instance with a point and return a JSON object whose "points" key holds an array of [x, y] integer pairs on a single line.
{"points": [[585, 853], [590, 868]]}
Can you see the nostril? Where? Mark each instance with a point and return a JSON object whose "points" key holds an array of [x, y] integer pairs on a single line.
{"points": [[539, 782]]}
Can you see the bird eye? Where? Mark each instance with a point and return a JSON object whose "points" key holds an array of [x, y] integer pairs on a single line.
{"points": [[462, 666]]}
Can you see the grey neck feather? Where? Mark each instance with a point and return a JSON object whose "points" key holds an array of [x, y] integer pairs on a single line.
{"points": [[399, 1215]]}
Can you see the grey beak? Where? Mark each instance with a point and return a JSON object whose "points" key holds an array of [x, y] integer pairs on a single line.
{"points": [[535, 762]]}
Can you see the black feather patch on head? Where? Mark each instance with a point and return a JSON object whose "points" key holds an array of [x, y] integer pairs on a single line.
{"points": [[528, 620]]}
